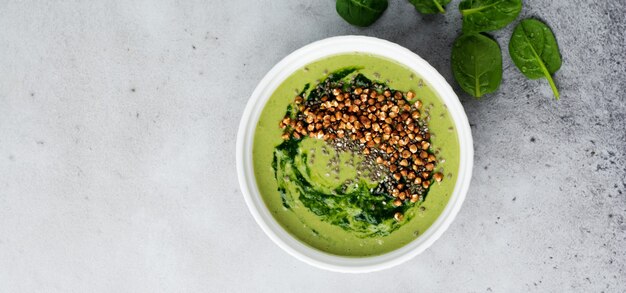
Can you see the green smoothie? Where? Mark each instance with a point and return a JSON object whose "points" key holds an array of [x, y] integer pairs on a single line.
{"points": [[311, 189]]}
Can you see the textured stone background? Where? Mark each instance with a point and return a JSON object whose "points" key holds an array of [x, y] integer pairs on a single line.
{"points": [[118, 123]]}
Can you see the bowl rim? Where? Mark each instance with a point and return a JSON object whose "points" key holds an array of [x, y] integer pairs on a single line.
{"points": [[247, 128]]}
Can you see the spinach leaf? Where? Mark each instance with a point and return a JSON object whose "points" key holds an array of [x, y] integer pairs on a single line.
{"points": [[488, 15], [430, 6], [535, 52], [477, 64], [361, 12]]}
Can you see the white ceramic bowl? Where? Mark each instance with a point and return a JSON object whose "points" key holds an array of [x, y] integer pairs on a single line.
{"points": [[262, 93]]}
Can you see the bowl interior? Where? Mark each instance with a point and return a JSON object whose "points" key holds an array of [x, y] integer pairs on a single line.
{"points": [[295, 61]]}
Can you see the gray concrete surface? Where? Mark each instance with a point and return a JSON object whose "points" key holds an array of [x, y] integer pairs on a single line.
{"points": [[118, 123]]}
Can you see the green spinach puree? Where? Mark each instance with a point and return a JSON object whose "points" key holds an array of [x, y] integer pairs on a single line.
{"points": [[319, 194]]}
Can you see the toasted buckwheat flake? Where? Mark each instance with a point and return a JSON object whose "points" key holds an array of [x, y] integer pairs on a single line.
{"points": [[384, 125]]}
